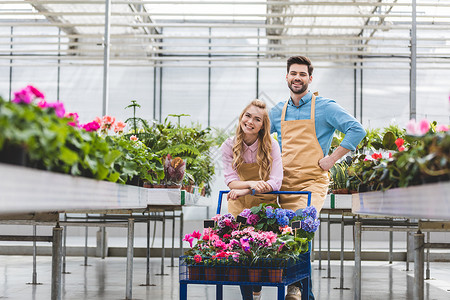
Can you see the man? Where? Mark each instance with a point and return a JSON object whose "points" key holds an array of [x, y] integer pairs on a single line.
{"points": [[305, 125]]}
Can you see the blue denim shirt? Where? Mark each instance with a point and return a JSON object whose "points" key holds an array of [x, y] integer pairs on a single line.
{"points": [[330, 116]]}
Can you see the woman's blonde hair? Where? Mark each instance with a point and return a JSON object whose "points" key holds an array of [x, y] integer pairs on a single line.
{"points": [[263, 156]]}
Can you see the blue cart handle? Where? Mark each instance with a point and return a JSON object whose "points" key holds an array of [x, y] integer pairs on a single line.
{"points": [[219, 204]]}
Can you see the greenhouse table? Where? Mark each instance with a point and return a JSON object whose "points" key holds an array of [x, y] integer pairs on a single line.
{"points": [[430, 201]]}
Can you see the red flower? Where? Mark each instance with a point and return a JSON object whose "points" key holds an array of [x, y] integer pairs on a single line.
{"points": [[401, 148], [399, 142], [197, 258], [377, 156]]}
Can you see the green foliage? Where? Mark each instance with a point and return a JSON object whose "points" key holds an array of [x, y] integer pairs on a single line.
{"points": [[51, 144], [426, 160], [338, 176], [191, 143]]}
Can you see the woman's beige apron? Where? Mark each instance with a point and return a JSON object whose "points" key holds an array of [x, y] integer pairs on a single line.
{"points": [[301, 153], [249, 172]]}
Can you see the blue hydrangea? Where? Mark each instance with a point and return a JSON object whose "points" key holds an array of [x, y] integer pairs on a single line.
{"points": [[310, 225], [309, 211], [290, 214], [269, 212], [283, 221]]}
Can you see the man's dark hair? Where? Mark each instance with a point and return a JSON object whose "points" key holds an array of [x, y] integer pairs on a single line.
{"points": [[301, 60]]}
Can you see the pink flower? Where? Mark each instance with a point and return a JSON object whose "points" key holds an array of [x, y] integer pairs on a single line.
{"points": [[107, 122], [390, 154], [196, 234], [197, 258], [286, 230], [73, 117], [442, 128], [401, 148], [424, 126], [189, 239], [411, 127], [23, 96], [42, 104], [399, 142], [118, 128], [58, 107], [35, 91], [98, 120], [133, 138], [91, 126]]}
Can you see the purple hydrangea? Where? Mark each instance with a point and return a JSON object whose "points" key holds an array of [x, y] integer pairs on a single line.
{"points": [[253, 219], [269, 212], [310, 225], [309, 211], [245, 213]]}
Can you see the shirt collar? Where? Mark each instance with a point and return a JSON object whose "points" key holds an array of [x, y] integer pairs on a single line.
{"points": [[305, 99], [253, 147]]}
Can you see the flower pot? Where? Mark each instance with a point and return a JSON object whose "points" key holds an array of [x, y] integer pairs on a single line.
{"points": [[194, 272], [210, 274], [14, 155], [340, 191], [234, 274], [275, 275], [254, 275], [172, 186]]}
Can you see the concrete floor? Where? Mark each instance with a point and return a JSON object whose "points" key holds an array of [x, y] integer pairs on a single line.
{"points": [[105, 279]]}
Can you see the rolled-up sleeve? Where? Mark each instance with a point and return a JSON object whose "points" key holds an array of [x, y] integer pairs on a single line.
{"points": [[347, 124], [276, 173], [230, 173]]}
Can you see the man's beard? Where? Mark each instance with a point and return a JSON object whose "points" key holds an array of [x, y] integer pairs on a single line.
{"points": [[303, 88]]}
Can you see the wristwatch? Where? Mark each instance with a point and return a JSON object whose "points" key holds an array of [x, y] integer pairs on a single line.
{"points": [[253, 192]]}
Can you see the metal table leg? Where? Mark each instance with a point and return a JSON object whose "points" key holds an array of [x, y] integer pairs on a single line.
{"points": [[418, 265], [56, 263], [147, 275], [130, 253], [391, 243], [172, 257], [219, 292], [357, 295]]}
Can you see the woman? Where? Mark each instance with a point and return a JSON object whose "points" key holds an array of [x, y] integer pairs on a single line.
{"points": [[252, 166]]}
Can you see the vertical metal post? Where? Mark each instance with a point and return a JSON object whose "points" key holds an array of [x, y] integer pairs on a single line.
{"points": [[173, 240], [154, 91], [181, 232], [209, 82], [357, 277], [106, 46], [354, 89], [341, 285], [64, 246], [34, 279], [361, 95], [86, 231], [130, 254], [147, 276], [257, 68], [160, 92], [391, 242], [163, 250], [407, 246], [329, 246], [320, 245], [56, 263], [10, 63], [428, 257], [58, 80], [418, 265], [413, 70]]}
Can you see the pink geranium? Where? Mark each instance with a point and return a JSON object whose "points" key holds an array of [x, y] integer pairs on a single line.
{"points": [[73, 117], [424, 126], [119, 126], [442, 128], [91, 126], [27, 95], [107, 123], [197, 258], [133, 138]]}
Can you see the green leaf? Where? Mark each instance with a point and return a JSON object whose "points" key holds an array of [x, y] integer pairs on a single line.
{"points": [[68, 156], [112, 156], [389, 141]]}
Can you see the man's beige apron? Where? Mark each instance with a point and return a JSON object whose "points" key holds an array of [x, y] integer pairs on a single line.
{"points": [[249, 172], [301, 153]]}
